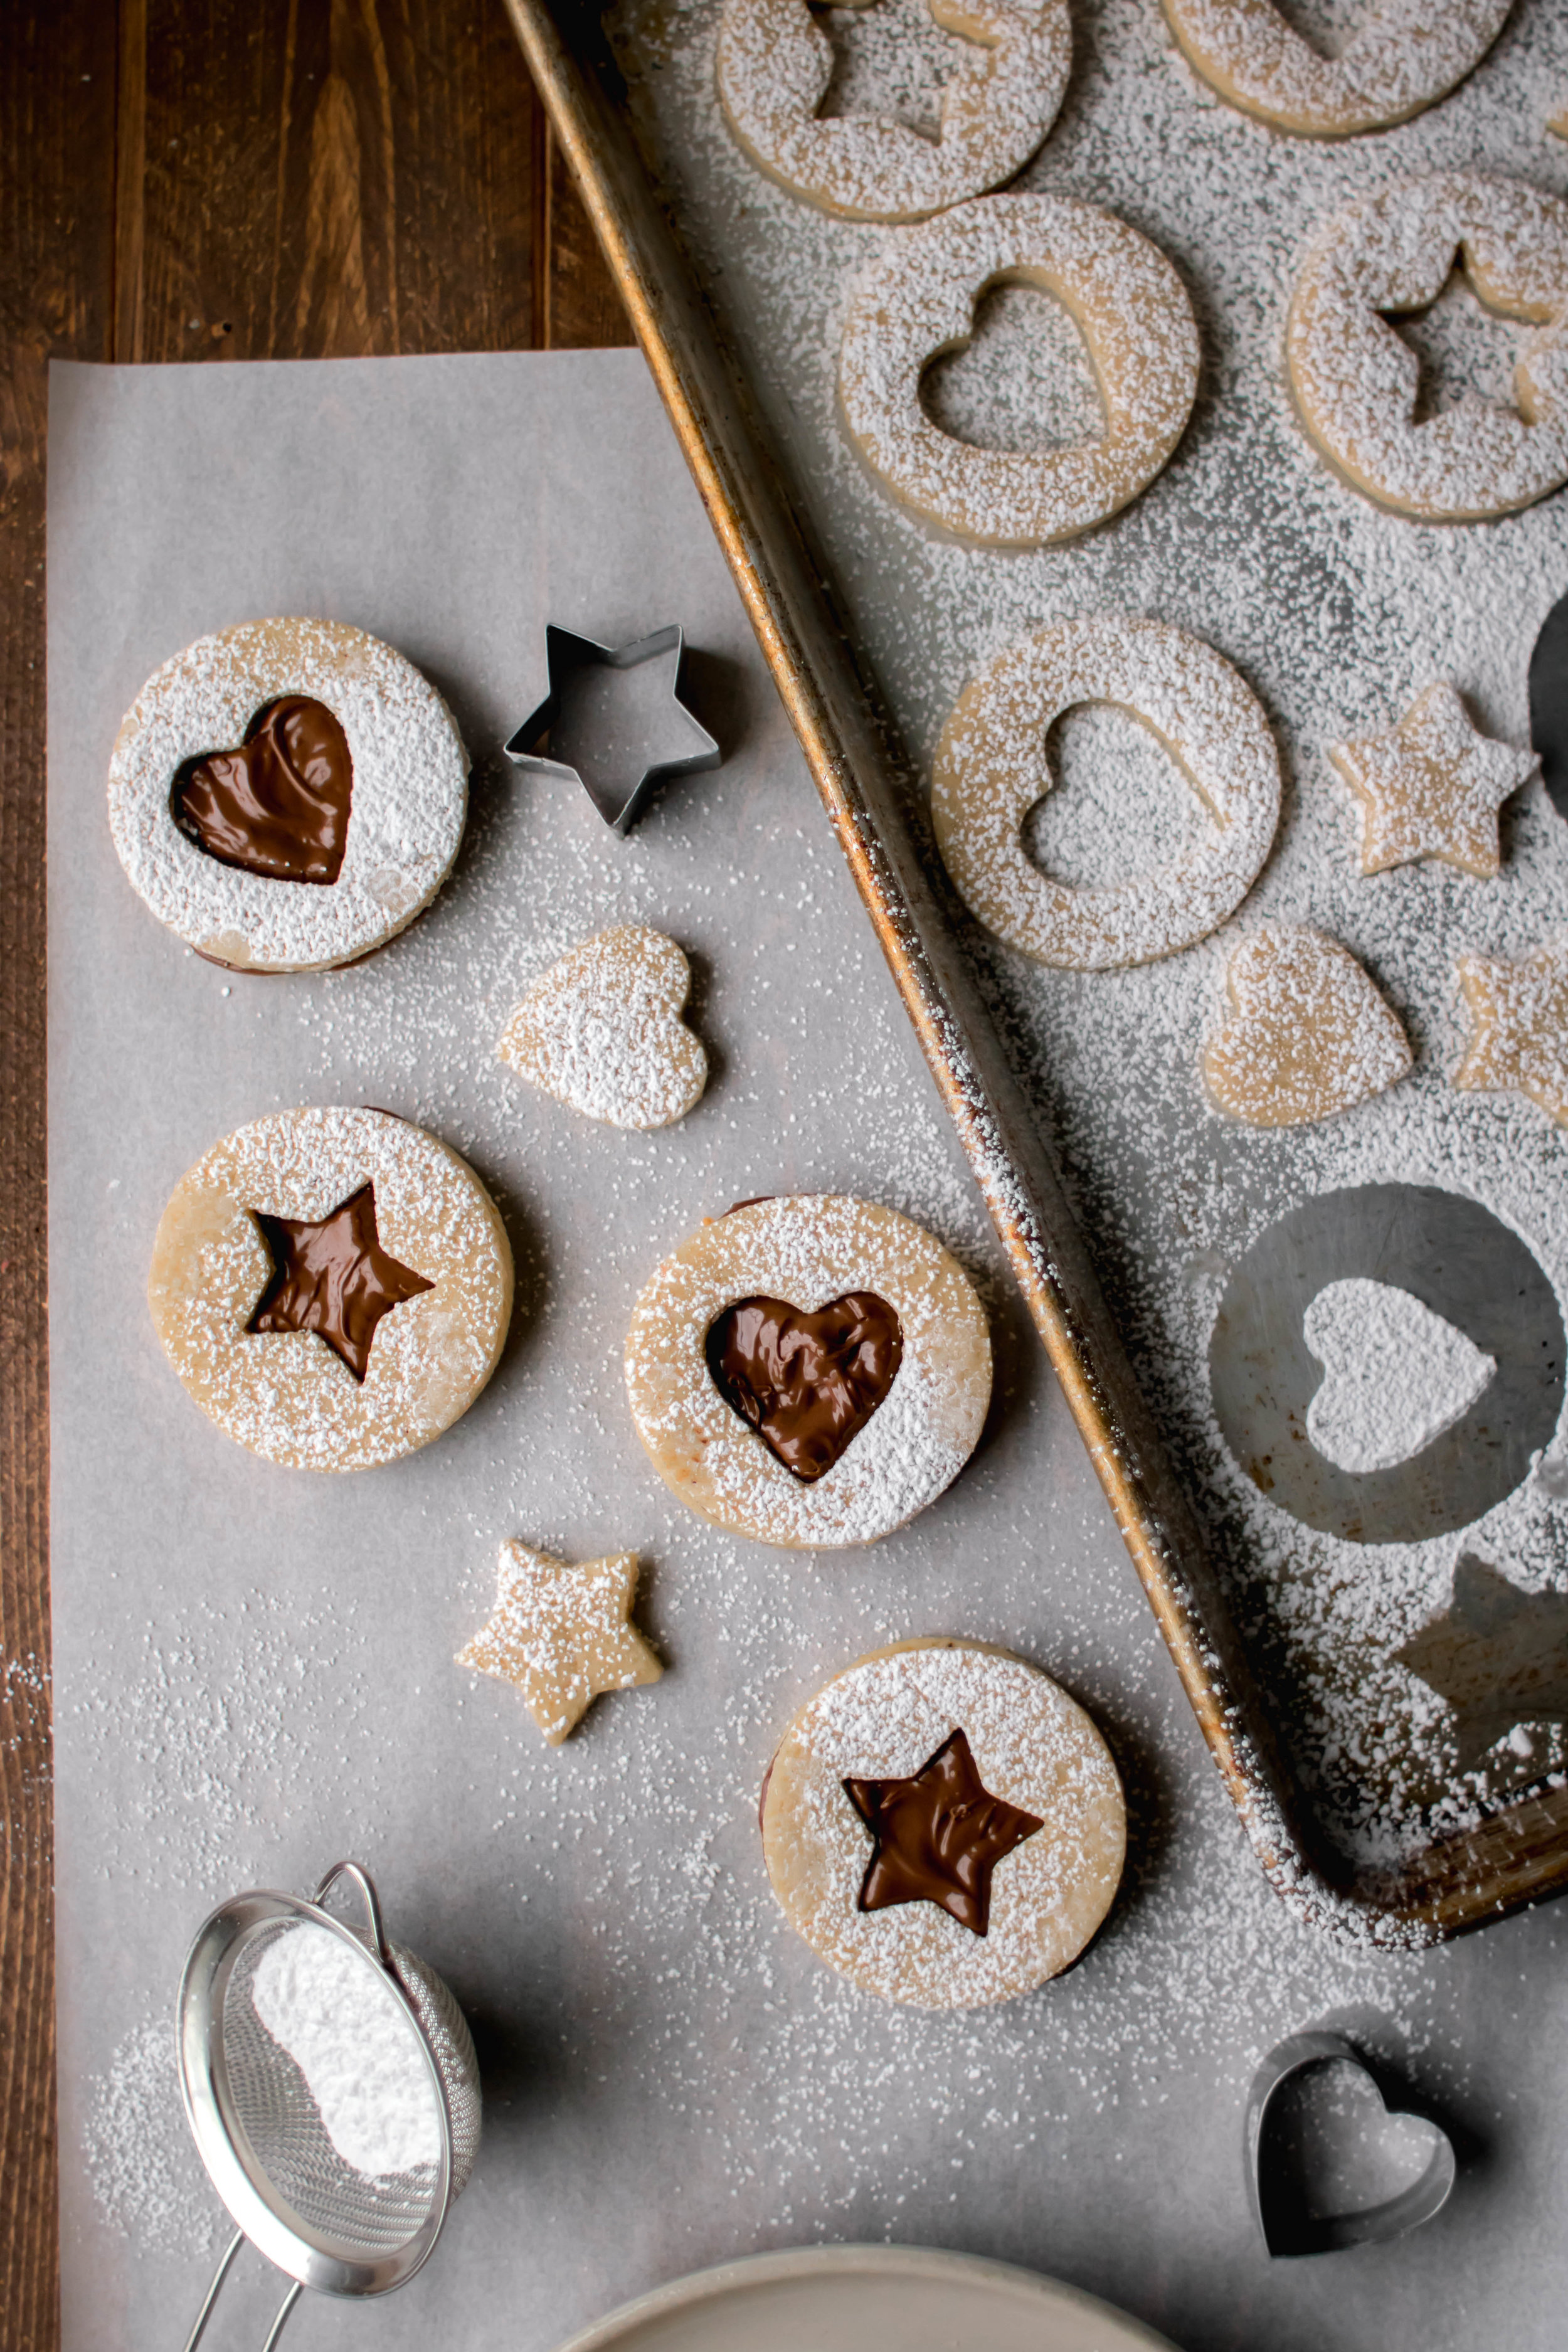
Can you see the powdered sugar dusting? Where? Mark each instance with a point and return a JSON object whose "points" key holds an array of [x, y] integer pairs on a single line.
{"points": [[1395, 1374]]}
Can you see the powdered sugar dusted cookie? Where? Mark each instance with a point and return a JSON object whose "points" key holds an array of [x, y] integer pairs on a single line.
{"points": [[1356, 382], [991, 769], [1404, 56], [808, 1372], [943, 1826], [602, 1031], [1308, 1033], [1519, 1033], [563, 1634], [917, 301], [332, 1285], [1432, 787], [287, 795], [774, 65]]}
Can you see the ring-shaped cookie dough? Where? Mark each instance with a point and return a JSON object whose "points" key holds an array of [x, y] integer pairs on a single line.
{"points": [[1460, 1262], [1034, 1747], [1404, 56], [1355, 380], [286, 1394], [775, 63], [409, 801], [809, 1250], [991, 768], [918, 303]]}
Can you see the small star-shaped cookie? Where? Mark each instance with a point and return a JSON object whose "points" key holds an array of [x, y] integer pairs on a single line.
{"points": [[334, 1278], [940, 1834], [1519, 1028], [562, 1634], [1498, 1656], [1432, 787]]}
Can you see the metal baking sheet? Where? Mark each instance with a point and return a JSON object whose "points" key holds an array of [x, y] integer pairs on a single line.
{"points": [[1247, 538], [253, 1668]]}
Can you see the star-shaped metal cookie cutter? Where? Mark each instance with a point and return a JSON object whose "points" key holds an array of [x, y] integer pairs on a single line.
{"points": [[621, 797]]}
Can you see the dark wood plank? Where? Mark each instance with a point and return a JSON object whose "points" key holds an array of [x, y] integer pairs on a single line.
{"points": [[56, 166], [578, 308]]}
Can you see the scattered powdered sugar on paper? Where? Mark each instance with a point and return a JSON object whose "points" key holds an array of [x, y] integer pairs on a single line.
{"points": [[145, 2172], [1395, 1375], [350, 2036]]}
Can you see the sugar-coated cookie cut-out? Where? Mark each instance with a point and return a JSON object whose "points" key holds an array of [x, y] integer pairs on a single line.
{"points": [[943, 1826], [774, 66], [917, 301], [1402, 55], [333, 1287], [1307, 1034], [602, 1030], [287, 795], [991, 768], [810, 1371], [562, 1634], [1432, 787], [1518, 1028], [1356, 382]]}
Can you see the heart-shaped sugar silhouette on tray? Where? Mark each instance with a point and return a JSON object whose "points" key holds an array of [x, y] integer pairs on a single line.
{"points": [[1395, 1374], [1337, 2154], [602, 1031], [1308, 1036], [278, 804], [808, 1383]]}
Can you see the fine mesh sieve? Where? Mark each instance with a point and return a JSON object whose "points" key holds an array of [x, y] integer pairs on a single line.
{"points": [[260, 2129]]}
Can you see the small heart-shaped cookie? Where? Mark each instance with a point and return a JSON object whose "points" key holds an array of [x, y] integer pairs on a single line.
{"points": [[1308, 1035], [602, 1031], [808, 1383], [278, 804]]}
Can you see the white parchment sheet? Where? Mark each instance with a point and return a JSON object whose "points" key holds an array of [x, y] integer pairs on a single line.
{"points": [[253, 1667]]}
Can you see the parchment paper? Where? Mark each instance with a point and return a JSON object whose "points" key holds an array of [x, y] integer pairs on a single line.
{"points": [[253, 1667]]}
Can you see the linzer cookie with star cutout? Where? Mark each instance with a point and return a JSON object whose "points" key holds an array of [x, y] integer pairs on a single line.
{"points": [[810, 1371], [287, 795], [943, 1826], [333, 1287]]}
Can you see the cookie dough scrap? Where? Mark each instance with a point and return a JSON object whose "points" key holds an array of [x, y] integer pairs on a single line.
{"points": [[1404, 56], [1518, 1039], [602, 1031], [562, 1634], [1432, 787], [943, 1826], [1308, 1036], [1356, 382], [775, 64]]}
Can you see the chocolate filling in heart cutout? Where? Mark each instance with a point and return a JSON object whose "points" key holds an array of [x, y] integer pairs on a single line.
{"points": [[806, 1383], [278, 804]]}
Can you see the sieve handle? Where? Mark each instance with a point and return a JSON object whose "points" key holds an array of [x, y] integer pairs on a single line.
{"points": [[205, 2312], [362, 1880]]}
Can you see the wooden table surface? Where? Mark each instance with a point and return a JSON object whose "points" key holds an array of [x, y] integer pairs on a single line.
{"points": [[200, 180]]}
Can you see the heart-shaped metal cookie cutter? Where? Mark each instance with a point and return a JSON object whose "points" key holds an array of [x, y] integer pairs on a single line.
{"points": [[1287, 2228]]}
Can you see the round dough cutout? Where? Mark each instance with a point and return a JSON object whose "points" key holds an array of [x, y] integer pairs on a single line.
{"points": [[774, 66], [990, 770], [1404, 56], [1355, 381], [918, 303], [286, 1394], [810, 1251], [405, 813], [1034, 1748]]}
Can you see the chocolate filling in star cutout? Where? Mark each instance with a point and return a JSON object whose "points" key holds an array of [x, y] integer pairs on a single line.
{"points": [[332, 1278], [940, 1834]]}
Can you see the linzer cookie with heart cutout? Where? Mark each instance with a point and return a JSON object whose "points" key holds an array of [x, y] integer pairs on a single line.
{"points": [[287, 795], [332, 1285], [943, 1826], [810, 1371]]}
